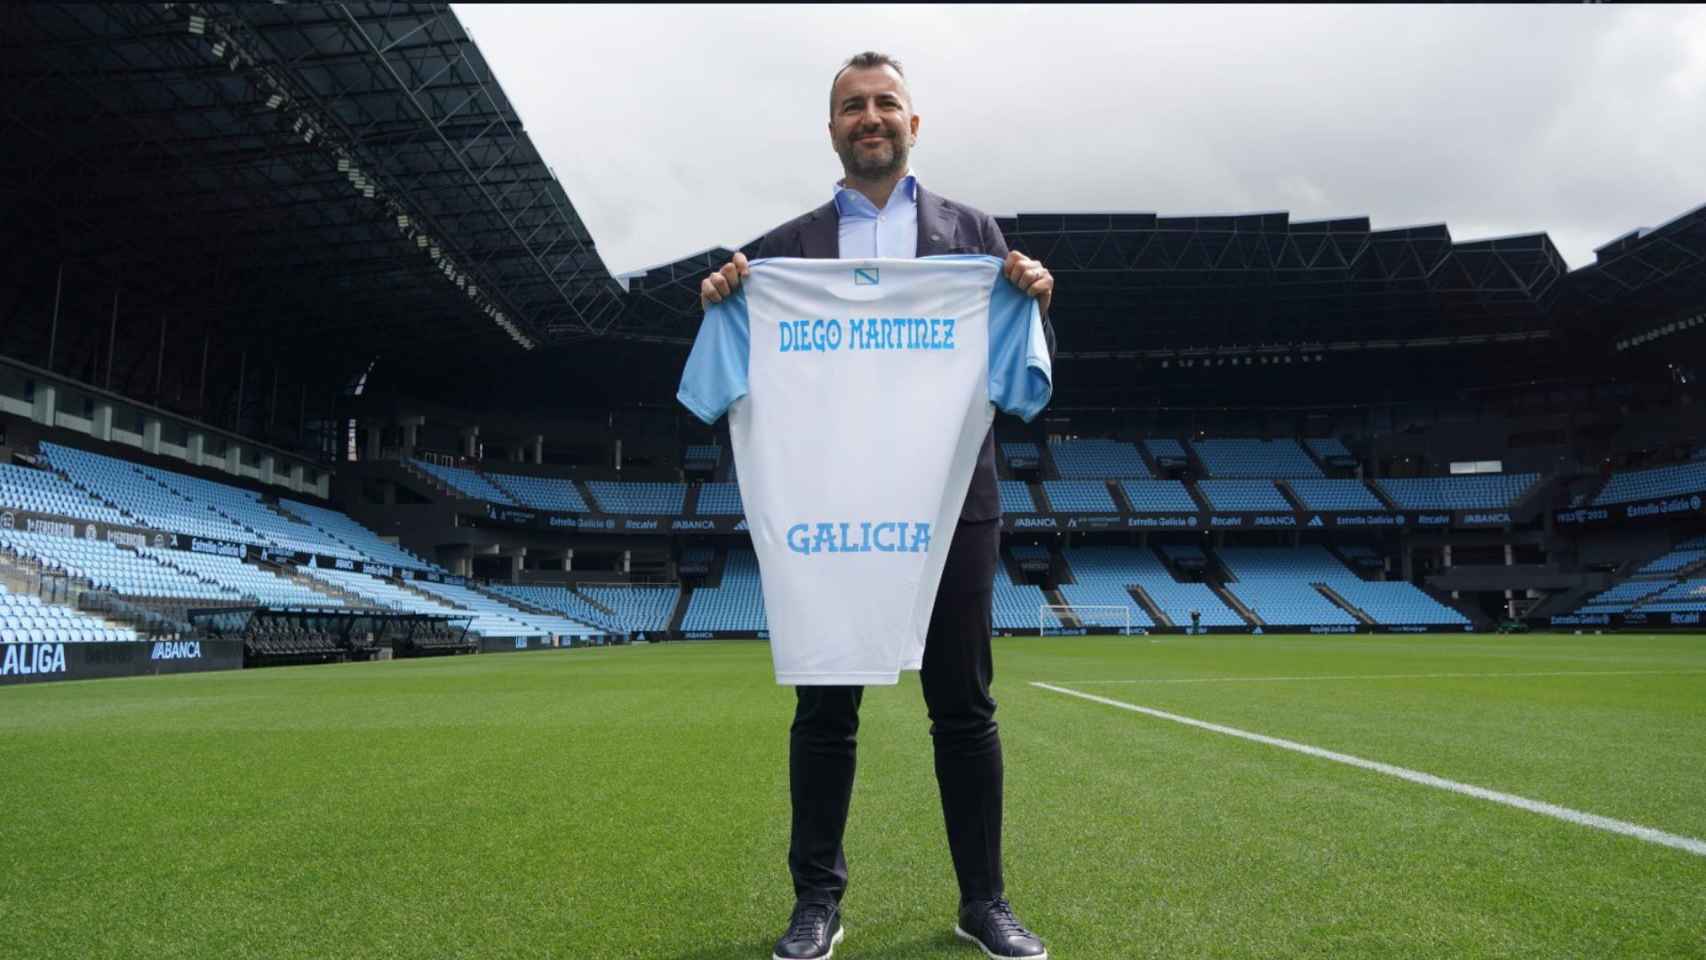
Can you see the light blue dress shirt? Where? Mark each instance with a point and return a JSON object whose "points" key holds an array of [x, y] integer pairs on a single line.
{"points": [[868, 233]]}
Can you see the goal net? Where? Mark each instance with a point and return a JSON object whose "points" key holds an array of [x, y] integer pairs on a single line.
{"points": [[1055, 619]]}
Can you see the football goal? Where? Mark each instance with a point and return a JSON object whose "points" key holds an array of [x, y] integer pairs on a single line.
{"points": [[1057, 619]]}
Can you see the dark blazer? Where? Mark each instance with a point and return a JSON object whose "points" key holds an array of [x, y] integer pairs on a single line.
{"points": [[944, 227]]}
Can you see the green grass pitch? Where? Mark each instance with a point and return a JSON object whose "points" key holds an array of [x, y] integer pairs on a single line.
{"points": [[632, 802]]}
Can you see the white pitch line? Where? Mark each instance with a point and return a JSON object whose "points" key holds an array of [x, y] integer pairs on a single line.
{"points": [[1624, 827], [1404, 676]]}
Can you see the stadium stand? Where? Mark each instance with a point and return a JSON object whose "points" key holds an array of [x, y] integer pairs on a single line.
{"points": [[1317, 494], [1255, 458], [638, 607], [242, 579], [1277, 583], [1016, 497], [1672, 562], [1683, 596], [26, 619], [1330, 450], [1100, 575], [1021, 454], [702, 456], [1165, 451], [25, 488], [1238, 495], [543, 493], [1069, 496], [720, 500], [737, 604], [1621, 597], [246, 509], [1492, 491], [1158, 496], [122, 485], [1017, 606], [1098, 458], [339, 528], [1673, 481], [563, 600], [467, 482], [616, 496], [110, 567], [489, 609], [390, 596]]}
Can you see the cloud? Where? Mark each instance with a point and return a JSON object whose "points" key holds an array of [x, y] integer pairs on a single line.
{"points": [[680, 128]]}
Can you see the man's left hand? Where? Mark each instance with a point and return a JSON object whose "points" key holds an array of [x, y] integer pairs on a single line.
{"points": [[1031, 277]]}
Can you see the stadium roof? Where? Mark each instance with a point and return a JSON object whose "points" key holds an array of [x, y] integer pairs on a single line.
{"points": [[354, 174], [354, 170]]}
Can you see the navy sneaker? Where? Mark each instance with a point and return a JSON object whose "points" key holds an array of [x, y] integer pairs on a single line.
{"points": [[813, 932], [991, 925]]}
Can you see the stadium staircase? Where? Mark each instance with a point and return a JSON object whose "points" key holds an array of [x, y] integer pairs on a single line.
{"points": [[680, 613], [1149, 461], [1290, 495], [318, 586], [690, 502], [1315, 458], [1380, 495], [441, 488], [1068, 616], [1149, 606], [1343, 604], [494, 481], [1198, 498], [1237, 605]]}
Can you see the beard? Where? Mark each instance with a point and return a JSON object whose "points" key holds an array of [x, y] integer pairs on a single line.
{"points": [[873, 165]]}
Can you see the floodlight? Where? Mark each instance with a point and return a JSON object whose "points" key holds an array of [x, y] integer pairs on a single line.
{"points": [[275, 101], [219, 50], [198, 24]]}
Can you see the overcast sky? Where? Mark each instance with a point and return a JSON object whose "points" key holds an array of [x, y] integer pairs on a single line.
{"points": [[674, 129]]}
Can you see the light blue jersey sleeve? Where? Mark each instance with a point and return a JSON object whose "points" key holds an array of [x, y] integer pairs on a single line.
{"points": [[715, 376], [1021, 379]]}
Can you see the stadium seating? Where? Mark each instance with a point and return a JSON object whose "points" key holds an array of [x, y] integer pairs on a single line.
{"points": [[390, 596], [242, 579], [1652, 484], [1683, 596], [1075, 496], [23, 488], [1243, 495], [702, 456], [1016, 497], [1165, 451], [1016, 606], [1021, 454], [1673, 562], [1277, 583], [1317, 494], [542, 493], [338, 528], [1621, 597], [1329, 449], [112, 568], [26, 619], [1478, 491], [246, 509], [1098, 458], [467, 482], [738, 604], [638, 607], [123, 485], [615, 496], [1255, 458], [720, 500], [1158, 496], [1100, 575], [491, 610], [563, 600]]}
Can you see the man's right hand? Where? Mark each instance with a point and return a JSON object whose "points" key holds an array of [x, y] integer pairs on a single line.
{"points": [[724, 282]]}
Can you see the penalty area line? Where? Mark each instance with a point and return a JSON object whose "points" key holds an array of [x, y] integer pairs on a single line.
{"points": [[1400, 676], [1582, 818]]}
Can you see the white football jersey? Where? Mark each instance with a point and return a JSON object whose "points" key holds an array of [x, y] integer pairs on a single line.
{"points": [[859, 393]]}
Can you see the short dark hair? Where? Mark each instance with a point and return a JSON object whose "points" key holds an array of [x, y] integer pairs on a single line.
{"points": [[864, 61]]}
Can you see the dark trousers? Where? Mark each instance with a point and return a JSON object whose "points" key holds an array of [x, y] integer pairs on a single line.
{"points": [[956, 674]]}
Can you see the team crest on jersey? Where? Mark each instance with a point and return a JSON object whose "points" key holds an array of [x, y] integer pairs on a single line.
{"points": [[864, 276]]}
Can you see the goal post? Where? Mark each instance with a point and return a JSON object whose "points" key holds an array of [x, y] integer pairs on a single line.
{"points": [[1057, 619]]}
